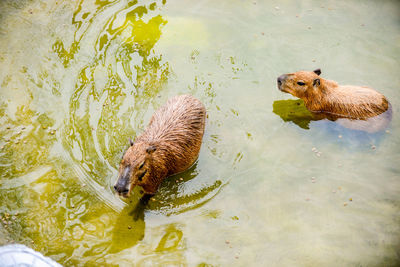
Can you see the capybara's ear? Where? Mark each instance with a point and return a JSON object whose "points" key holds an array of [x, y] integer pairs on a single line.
{"points": [[130, 141], [316, 82], [317, 71], [151, 149]]}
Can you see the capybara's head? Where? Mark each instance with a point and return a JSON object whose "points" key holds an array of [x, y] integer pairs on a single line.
{"points": [[135, 168], [301, 83]]}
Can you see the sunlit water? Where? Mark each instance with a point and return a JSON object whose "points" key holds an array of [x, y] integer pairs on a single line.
{"points": [[78, 78]]}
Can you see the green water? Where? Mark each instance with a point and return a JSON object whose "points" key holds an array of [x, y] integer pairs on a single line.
{"points": [[270, 188]]}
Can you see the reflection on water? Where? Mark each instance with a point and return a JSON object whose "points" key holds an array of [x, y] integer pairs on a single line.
{"points": [[78, 78], [129, 228], [105, 106], [354, 134], [115, 81], [296, 112]]}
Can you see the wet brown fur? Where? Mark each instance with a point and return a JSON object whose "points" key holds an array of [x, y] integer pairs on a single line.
{"points": [[356, 102], [169, 145]]}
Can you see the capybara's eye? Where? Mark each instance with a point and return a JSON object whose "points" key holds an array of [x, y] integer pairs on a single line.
{"points": [[140, 178], [141, 165], [301, 83]]}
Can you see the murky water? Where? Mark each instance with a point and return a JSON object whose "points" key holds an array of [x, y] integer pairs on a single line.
{"points": [[78, 78]]}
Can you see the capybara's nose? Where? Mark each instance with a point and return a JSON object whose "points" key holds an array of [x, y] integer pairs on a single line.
{"points": [[281, 79], [121, 189]]}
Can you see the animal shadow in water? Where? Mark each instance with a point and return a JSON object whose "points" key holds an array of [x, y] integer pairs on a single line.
{"points": [[296, 112], [354, 132], [129, 227], [138, 212]]}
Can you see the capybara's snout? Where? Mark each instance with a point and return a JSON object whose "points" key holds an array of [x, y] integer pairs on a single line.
{"points": [[280, 80], [121, 188], [123, 184]]}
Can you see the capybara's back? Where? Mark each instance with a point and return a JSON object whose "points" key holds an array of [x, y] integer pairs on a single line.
{"points": [[169, 145], [178, 126]]}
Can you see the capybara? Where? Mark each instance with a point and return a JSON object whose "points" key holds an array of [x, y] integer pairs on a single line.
{"points": [[170, 144], [320, 95]]}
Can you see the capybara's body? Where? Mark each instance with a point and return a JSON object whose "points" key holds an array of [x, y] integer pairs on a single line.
{"points": [[169, 145], [320, 95]]}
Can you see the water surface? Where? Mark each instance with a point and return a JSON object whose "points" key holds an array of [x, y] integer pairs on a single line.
{"points": [[78, 78]]}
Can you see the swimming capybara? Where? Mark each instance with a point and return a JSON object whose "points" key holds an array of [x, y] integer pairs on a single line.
{"points": [[320, 95], [169, 145]]}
